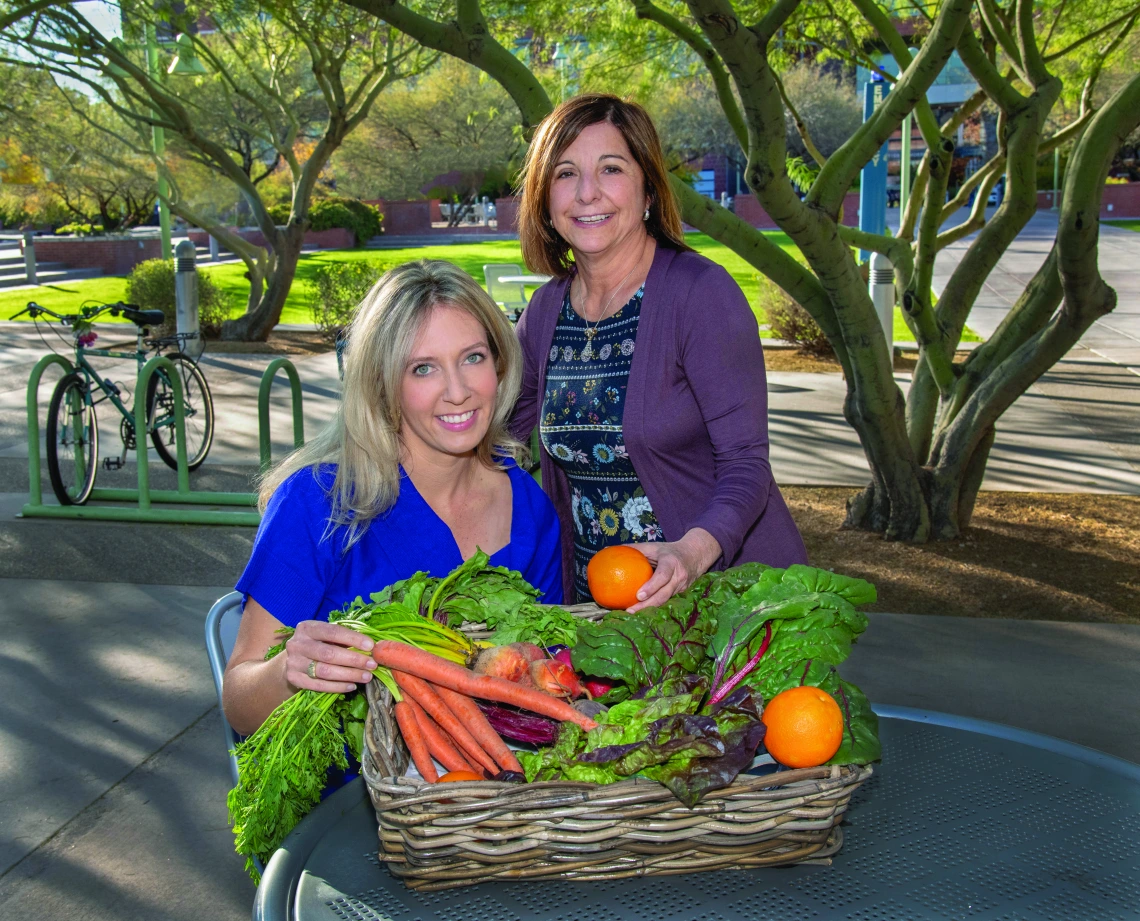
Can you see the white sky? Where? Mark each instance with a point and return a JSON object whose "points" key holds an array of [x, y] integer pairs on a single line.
{"points": [[103, 16]]}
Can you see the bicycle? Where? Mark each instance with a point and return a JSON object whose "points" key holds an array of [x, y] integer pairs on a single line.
{"points": [[72, 432]]}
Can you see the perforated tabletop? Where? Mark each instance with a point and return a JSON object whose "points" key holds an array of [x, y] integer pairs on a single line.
{"points": [[961, 820]]}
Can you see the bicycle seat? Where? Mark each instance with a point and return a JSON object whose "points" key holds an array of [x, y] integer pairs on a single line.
{"points": [[143, 317]]}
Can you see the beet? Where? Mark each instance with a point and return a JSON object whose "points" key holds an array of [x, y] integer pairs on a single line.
{"points": [[522, 727]]}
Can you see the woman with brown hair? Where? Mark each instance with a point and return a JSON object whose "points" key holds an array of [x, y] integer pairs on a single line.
{"points": [[642, 364]]}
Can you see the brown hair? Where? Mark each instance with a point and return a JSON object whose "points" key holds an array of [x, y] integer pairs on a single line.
{"points": [[543, 248]]}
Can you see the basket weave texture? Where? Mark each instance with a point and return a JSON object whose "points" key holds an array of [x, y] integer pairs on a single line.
{"points": [[435, 837]]}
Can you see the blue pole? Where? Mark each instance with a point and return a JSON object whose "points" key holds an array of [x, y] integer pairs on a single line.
{"points": [[873, 181]]}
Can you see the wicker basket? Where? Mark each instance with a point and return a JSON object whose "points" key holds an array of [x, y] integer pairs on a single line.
{"points": [[434, 837]]}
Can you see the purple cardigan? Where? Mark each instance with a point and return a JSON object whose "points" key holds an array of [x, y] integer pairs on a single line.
{"points": [[696, 413]]}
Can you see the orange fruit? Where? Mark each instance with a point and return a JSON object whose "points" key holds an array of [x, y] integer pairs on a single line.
{"points": [[460, 775], [614, 575], [805, 727]]}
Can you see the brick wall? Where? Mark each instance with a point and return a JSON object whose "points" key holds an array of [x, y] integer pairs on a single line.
{"points": [[1124, 199], [748, 209], [114, 255], [406, 218], [335, 238], [507, 214]]}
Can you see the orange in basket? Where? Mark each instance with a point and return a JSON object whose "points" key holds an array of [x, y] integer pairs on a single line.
{"points": [[805, 727]]}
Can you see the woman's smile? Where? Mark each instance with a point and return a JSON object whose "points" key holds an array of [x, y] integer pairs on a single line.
{"points": [[458, 422]]}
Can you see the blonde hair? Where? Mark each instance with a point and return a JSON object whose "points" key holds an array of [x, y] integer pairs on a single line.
{"points": [[543, 248], [363, 438]]}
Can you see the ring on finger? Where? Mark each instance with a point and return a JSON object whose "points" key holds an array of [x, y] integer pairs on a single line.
{"points": [[311, 671]]}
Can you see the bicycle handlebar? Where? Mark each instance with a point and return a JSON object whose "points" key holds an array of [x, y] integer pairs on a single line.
{"points": [[85, 313]]}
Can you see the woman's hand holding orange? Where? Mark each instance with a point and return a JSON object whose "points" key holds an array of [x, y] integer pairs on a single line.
{"points": [[318, 658], [677, 565]]}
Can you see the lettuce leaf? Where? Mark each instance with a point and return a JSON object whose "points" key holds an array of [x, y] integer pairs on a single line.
{"points": [[663, 738]]}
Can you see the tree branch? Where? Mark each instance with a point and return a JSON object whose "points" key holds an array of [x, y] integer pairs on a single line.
{"points": [[700, 46]]}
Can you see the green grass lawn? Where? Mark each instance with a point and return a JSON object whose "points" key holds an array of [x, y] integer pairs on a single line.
{"points": [[67, 297], [1133, 224]]}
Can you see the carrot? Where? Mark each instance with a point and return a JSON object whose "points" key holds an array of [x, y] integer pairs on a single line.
{"points": [[414, 739], [437, 743], [468, 711], [400, 657], [424, 695]]}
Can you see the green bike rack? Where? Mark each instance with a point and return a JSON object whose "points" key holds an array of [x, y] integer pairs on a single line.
{"points": [[35, 492], [264, 446], [144, 496]]}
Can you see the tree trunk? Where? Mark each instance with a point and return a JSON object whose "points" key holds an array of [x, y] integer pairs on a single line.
{"points": [[256, 324]]}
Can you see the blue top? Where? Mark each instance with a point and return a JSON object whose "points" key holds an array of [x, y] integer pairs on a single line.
{"points": [[583, 406], [299, 572]]}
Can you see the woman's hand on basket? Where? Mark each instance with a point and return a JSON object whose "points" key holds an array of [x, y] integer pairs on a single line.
{"points": [[676, 565], [318, 657]]}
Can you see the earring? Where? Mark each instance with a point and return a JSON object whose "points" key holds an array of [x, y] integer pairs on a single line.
{"points": [[645, 217]]}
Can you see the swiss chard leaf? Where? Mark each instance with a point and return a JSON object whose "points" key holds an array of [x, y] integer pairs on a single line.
{"points": [[856, 591], [860, 743], [650, 646]]}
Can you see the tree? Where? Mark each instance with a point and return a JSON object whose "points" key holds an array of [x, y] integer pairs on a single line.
{"points": [[279, 76], [927, 452], [42, 128], [450, 120]]}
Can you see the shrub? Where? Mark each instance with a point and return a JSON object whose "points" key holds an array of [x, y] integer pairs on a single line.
{"points": [[341, 286], [363, 220], [789, 321], [80, 230], [151, 286], [280, 213]]}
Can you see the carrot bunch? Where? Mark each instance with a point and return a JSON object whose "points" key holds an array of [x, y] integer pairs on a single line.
{"points": [[439, 719]]}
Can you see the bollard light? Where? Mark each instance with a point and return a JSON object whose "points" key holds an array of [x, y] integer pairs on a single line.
{"points": [[882, 289], [186, 297]]}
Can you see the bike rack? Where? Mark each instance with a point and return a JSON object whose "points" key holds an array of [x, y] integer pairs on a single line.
{"points": [[144, 496], [263, 441]]}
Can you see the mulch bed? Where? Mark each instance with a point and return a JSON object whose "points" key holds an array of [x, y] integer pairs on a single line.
{"points": [[1028, 556], [786, 359], [301, 342]]}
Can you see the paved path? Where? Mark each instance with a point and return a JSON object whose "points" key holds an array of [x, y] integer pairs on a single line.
{"points": [[1073, 431], [1114, 339]]}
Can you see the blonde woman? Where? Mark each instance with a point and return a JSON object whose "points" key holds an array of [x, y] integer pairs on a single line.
{"points": [[415, 472]]}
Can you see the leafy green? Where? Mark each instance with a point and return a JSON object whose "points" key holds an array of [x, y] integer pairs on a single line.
{"points": [[652, 645], [663, 738], [544, 626], [764, 628], [476, 593]]}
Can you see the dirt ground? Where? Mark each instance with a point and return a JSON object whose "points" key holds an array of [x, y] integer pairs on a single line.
{"points": [[1031, 556], [301, 342], [785, 359]]}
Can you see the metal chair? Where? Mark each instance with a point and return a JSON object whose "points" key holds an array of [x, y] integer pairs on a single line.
{"points": [[510, 296], [221, 633]]}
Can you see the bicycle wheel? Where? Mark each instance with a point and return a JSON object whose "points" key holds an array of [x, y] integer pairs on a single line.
{"points": [[72, 436], [199, 407]]}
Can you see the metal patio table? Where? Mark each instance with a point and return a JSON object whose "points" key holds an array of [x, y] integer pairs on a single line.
{"points": [[962, 819]]}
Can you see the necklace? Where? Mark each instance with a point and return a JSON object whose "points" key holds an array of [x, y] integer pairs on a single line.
{"points": [[592, 331]]}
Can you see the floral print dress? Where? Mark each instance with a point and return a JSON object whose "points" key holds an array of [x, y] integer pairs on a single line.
{"points": [[581, 428]]}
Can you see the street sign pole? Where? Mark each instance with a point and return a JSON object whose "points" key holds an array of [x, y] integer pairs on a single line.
{"points": [[873, 180]]}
